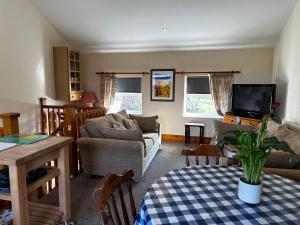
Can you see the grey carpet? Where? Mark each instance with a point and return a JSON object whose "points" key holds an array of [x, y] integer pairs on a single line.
{"points": [[84, 210]]}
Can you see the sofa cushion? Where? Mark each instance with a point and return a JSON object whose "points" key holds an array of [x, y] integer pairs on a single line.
{"points": [[120, 116], [130, 135], [150, 139], [149, 145], [118, 125], [282, 160], [147, 124], [131, 124], [222, 128], [153, 136], [93, 126], [292, 138]]}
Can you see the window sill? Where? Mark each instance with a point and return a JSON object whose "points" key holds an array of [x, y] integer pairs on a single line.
{"points": [[202, 116]]}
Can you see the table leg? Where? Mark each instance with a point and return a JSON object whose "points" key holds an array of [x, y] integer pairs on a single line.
{"points": [[201, 135], [64, 182], [18, 192], [189, 135], [185, 135]]}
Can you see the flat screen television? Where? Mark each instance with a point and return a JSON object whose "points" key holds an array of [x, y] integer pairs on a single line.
{"points": [[252, 100]]}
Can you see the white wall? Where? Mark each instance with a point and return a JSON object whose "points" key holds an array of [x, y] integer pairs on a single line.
{"points": [[26, 67], [287, 69], [255, 64]]}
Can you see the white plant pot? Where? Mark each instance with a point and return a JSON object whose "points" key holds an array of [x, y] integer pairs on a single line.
{"points": [[249, 193]]}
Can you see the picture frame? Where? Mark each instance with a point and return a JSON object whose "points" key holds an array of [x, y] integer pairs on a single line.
{"points": [[162, 85]]}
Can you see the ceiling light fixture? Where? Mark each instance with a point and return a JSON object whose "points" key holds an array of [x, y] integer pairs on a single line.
{"points": [[164, 29]]}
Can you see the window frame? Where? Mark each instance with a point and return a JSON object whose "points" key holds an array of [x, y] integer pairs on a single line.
{"points": [[199, 115], [129, 94]]}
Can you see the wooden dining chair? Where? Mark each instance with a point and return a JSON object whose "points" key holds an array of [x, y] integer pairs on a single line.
{"points": [[210, 153], [105, 196]]}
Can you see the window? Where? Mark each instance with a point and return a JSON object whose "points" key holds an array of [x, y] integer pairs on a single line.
{"points": [[197, 99], [128, 95]]}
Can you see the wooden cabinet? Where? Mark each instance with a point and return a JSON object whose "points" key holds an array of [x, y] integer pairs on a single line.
{"points": [[67, 74], [242, 120]]}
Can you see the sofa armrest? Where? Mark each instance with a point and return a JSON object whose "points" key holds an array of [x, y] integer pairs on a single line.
{"points": [[101, 155], [158, 127]]}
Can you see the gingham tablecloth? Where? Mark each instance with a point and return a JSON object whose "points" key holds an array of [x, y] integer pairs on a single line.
{"points": [[208, 195]]}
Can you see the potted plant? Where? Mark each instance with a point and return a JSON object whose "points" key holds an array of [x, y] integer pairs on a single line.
{"points": [[253, 149]]}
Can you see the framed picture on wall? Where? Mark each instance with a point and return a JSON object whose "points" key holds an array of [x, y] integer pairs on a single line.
{"points": [[162, 85]]}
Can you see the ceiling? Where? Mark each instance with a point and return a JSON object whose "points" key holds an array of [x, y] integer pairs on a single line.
{"points": [[136, 25]]}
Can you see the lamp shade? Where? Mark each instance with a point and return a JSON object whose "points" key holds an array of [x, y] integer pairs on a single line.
{"points": [[88, 97]]}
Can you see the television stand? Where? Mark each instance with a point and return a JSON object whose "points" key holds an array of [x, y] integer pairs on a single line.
{"points": [[241, 120]]}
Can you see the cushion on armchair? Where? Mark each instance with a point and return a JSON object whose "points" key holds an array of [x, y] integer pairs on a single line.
{"points": [[147, 124], [222, 128], [291, 137], [281, 160]]}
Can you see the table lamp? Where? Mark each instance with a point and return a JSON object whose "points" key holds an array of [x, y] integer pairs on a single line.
{"points": [[88, 98]]}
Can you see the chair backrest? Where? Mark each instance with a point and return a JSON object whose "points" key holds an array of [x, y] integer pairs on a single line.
{"points": [[107, 201], [209, 152]]}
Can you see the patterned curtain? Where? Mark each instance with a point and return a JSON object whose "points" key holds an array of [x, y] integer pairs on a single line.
{"points": [[107, 90], [221, 90]]}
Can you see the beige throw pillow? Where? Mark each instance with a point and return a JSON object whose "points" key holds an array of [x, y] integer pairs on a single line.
{"points": [[147, 124], [131, 124], [222, 128]]}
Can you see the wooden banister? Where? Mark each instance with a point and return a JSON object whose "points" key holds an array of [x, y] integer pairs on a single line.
{"points": [[65, 120]]}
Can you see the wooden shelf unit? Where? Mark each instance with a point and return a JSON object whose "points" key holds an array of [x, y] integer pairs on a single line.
{"points": [[52, 173], [243, 120], [41, 214], [23, 158], [67, 73]]}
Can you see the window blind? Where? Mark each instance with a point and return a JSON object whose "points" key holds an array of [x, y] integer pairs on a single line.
{"points": [[131, 85], [198, 85]]}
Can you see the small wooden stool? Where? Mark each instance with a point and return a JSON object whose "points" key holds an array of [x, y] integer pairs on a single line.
{"points": [[187, 137]]}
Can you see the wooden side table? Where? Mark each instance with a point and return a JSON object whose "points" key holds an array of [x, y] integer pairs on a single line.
{"points": [[187, 137], [24, 158]]}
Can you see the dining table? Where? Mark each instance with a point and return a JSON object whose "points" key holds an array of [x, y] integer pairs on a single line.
{"points": [[208, 195]]}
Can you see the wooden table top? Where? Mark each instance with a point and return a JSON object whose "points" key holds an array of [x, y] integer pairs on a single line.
{"points": [[195, 124], [23, 153]]}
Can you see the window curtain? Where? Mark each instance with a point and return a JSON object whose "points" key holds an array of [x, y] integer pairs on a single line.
{"points": [[107, 90], [221, 91]]}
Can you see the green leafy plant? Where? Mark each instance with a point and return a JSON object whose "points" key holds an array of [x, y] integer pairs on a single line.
{"points": [[254, 149]]}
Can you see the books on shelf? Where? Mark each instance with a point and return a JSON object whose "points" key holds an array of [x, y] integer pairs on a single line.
{"points": [[6, 217]]}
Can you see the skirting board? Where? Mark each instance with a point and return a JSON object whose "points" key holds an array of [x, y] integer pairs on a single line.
{"points": [[180, 138]]}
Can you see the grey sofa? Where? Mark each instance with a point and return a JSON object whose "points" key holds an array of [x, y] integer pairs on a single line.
{"points": [[105, 147]]}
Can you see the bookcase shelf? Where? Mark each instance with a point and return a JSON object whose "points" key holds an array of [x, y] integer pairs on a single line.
{"points": [[40, 214], [67, 68], [52, 173]]}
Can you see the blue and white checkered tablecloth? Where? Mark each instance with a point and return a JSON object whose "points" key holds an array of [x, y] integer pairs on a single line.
{"points": [[208, 195]]}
